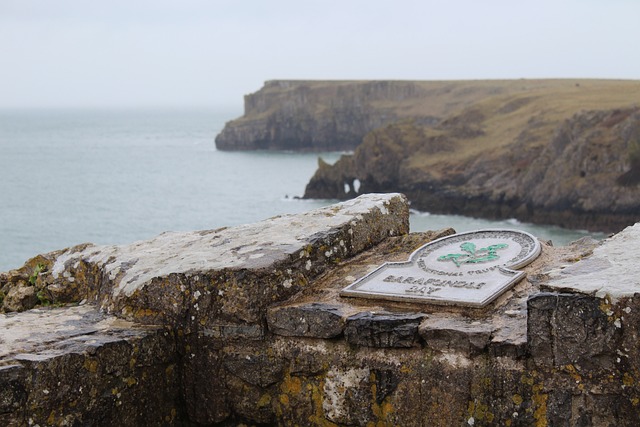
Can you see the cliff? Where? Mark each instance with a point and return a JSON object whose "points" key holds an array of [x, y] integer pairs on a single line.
{"points": [[336, 115], [566, 155], [246, 326]]}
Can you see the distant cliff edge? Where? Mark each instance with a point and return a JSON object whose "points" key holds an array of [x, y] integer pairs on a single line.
{"points": [[335, 115]]}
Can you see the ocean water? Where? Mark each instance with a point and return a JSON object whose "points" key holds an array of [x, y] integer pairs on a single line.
{"points": [[117, 176]]}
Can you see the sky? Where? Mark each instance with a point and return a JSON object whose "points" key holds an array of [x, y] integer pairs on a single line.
{"points": [[210, 53]]}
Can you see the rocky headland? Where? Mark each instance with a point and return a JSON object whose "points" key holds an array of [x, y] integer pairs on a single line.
{"points": [[562, 152], [246, 326]]}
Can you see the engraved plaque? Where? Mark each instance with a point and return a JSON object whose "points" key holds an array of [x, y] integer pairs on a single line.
{"points": [[470, 269]]}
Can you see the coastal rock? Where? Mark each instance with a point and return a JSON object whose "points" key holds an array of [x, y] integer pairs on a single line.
{"points": [[580, 175]]}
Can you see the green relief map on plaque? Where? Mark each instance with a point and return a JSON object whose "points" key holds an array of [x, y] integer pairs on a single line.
{"points": [[472, 255]]}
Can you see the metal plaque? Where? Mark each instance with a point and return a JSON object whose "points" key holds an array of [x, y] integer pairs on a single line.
{"points": [[470, 269]]}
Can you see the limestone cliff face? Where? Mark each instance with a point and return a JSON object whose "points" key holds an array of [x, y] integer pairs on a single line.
{"points": [[289, 115], [584, 176], [336, 115]]}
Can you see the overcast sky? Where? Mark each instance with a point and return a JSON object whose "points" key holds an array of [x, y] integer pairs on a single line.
{"points": [[109, 53]]}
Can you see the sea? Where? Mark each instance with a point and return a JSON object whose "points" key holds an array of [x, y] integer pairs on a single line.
{"points": [[120, 175]]}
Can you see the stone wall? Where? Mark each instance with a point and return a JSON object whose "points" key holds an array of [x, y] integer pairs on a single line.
{"points": [[246, 326]]}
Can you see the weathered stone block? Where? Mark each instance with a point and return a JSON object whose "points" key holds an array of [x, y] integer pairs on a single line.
{"points": [[305, 357], [203, 379], [574, 329], [455, 334], [13, 393], [344, 391], [249, 402], [383, 329], [76, 366], [234, 331], [540, 309], [315, 320], [255, 368]]}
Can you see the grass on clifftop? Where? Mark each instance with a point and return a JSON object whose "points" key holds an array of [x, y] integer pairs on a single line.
{"points": [[530, 117]]}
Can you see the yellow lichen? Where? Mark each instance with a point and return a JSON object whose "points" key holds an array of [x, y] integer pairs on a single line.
{"points": [[627, 380], [91, 365], [284, 399], [606, 307], [540, 405], [573, 372], [318, 418], [265, 400], [479, 411], [291, 385], [144, 313], [528, 380], [517, 399], [169, 370], [52, 418], [172, 415], [382, 410], [405, 369]]}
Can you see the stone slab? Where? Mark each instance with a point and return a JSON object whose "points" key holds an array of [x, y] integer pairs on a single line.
{"points": [[615, 257], [48, 332], [452, 333], [314, 320], [470, 269], [77, 366], [250, 246], [383, 330]]}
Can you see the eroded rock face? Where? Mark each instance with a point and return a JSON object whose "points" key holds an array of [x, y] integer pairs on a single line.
{"points": [[559, 348], [314, 116], [581, 176]]}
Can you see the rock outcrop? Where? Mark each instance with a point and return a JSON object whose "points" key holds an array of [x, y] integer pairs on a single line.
{"points": [[583, 176], [311, 116], [246, 326]]}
